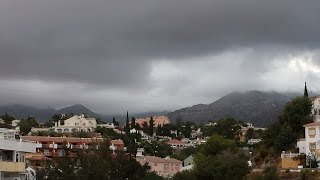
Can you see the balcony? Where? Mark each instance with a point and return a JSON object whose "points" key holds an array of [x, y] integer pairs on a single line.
{"points": [[12, 166]]}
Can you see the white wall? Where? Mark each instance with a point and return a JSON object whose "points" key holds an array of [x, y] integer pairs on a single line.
{"points": [[17, 146]]}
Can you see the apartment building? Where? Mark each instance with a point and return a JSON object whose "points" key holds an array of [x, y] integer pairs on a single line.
{"points": [[49, 147], [12, 155]]}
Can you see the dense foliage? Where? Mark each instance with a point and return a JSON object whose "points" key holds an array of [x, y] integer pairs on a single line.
{"points": [[218, 159], [96, 164], [26, 125], [283, 134], [228, 128]]}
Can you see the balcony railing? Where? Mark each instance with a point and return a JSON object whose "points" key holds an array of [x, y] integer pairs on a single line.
{"points": [[12, 166]]}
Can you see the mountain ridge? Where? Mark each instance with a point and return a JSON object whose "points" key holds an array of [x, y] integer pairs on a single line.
{"points": [[258, 107], [20, 111]]}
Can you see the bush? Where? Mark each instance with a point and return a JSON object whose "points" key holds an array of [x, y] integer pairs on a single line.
{"points": [[303, 175], [263, 153], [270, 173]]}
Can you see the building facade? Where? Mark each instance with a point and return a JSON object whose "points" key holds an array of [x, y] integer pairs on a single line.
{"points": [[76, 124], [311, 143], [177, 144], [12, 155], [165, 167], [316, 108]]}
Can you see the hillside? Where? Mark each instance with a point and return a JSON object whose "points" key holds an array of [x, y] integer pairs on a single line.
{"points": [[77, 109], [260, 108], [42, 115]]}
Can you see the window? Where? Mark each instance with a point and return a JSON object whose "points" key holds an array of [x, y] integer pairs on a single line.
{"points": [[61, 152], [312, 146], [312, 132], [46, 152]]}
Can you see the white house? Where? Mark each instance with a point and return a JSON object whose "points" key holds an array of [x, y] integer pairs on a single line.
{"points": [[312, 139], [76, 124], [12, 155], [107, 125], [316, 108], [311, 143]]}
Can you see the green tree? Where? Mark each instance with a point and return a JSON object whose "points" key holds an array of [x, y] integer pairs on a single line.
{"points": [[127, 126], [159, 130], [185, 175], [228, 128], [305, 94], [250, 134], [7, 118], [133, 123], [283, 134], [95, 164], [151, 126], [145, 127], [312, 160], [25, 126], [219, 159]]}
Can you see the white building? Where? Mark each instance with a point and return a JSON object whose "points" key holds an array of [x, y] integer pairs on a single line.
{"points": [[253, 141], [107, 125], [311, 143], [316, 108], [312, 140], [76, 124], [12, 155]]}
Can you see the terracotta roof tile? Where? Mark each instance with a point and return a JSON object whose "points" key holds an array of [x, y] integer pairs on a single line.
{"points": [[176, 141], [160, 160], [317, 123]]}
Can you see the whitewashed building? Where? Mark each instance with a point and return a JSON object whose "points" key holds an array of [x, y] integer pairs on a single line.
{"points": [[107, 125], [311, 143], [316, 108], [12, 155], [76, 124]]}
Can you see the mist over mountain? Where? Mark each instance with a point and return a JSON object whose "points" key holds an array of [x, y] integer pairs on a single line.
{"points": [[44, 114], [257, 107]]}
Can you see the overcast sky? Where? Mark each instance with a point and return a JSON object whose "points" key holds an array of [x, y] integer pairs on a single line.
{"points": [[143, 55]]}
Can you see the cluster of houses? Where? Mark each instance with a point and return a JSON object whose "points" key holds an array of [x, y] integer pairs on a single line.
{"points": [[33, 151]]}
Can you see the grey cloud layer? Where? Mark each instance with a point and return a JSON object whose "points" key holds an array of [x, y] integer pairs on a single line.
{"points": [[117, 44]]}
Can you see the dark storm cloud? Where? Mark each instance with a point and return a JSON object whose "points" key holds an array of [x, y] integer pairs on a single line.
{"points": [[120, 44]]}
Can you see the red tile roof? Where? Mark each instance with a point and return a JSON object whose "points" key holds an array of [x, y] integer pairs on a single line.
{"points": [[117, 142], [176, 141], [317, 123], [45, 139], [159, 159]]}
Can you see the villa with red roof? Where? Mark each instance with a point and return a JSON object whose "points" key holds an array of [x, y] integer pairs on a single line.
{"points": [[177, 144]]}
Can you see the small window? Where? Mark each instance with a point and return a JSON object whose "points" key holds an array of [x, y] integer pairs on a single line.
{"points": [[312, 132], [312, 146]]}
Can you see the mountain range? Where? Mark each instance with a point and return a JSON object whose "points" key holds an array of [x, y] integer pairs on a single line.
{"points": [[44, 114], [257, 107]]}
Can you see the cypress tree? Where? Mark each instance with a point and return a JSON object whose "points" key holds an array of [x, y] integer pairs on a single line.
{"points": [[151, 126], [133, 123], [114, 121], [127, 128], [305, 90]]}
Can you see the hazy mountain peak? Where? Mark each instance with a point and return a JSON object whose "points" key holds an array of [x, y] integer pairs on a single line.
{"points": [[258, 107]]}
